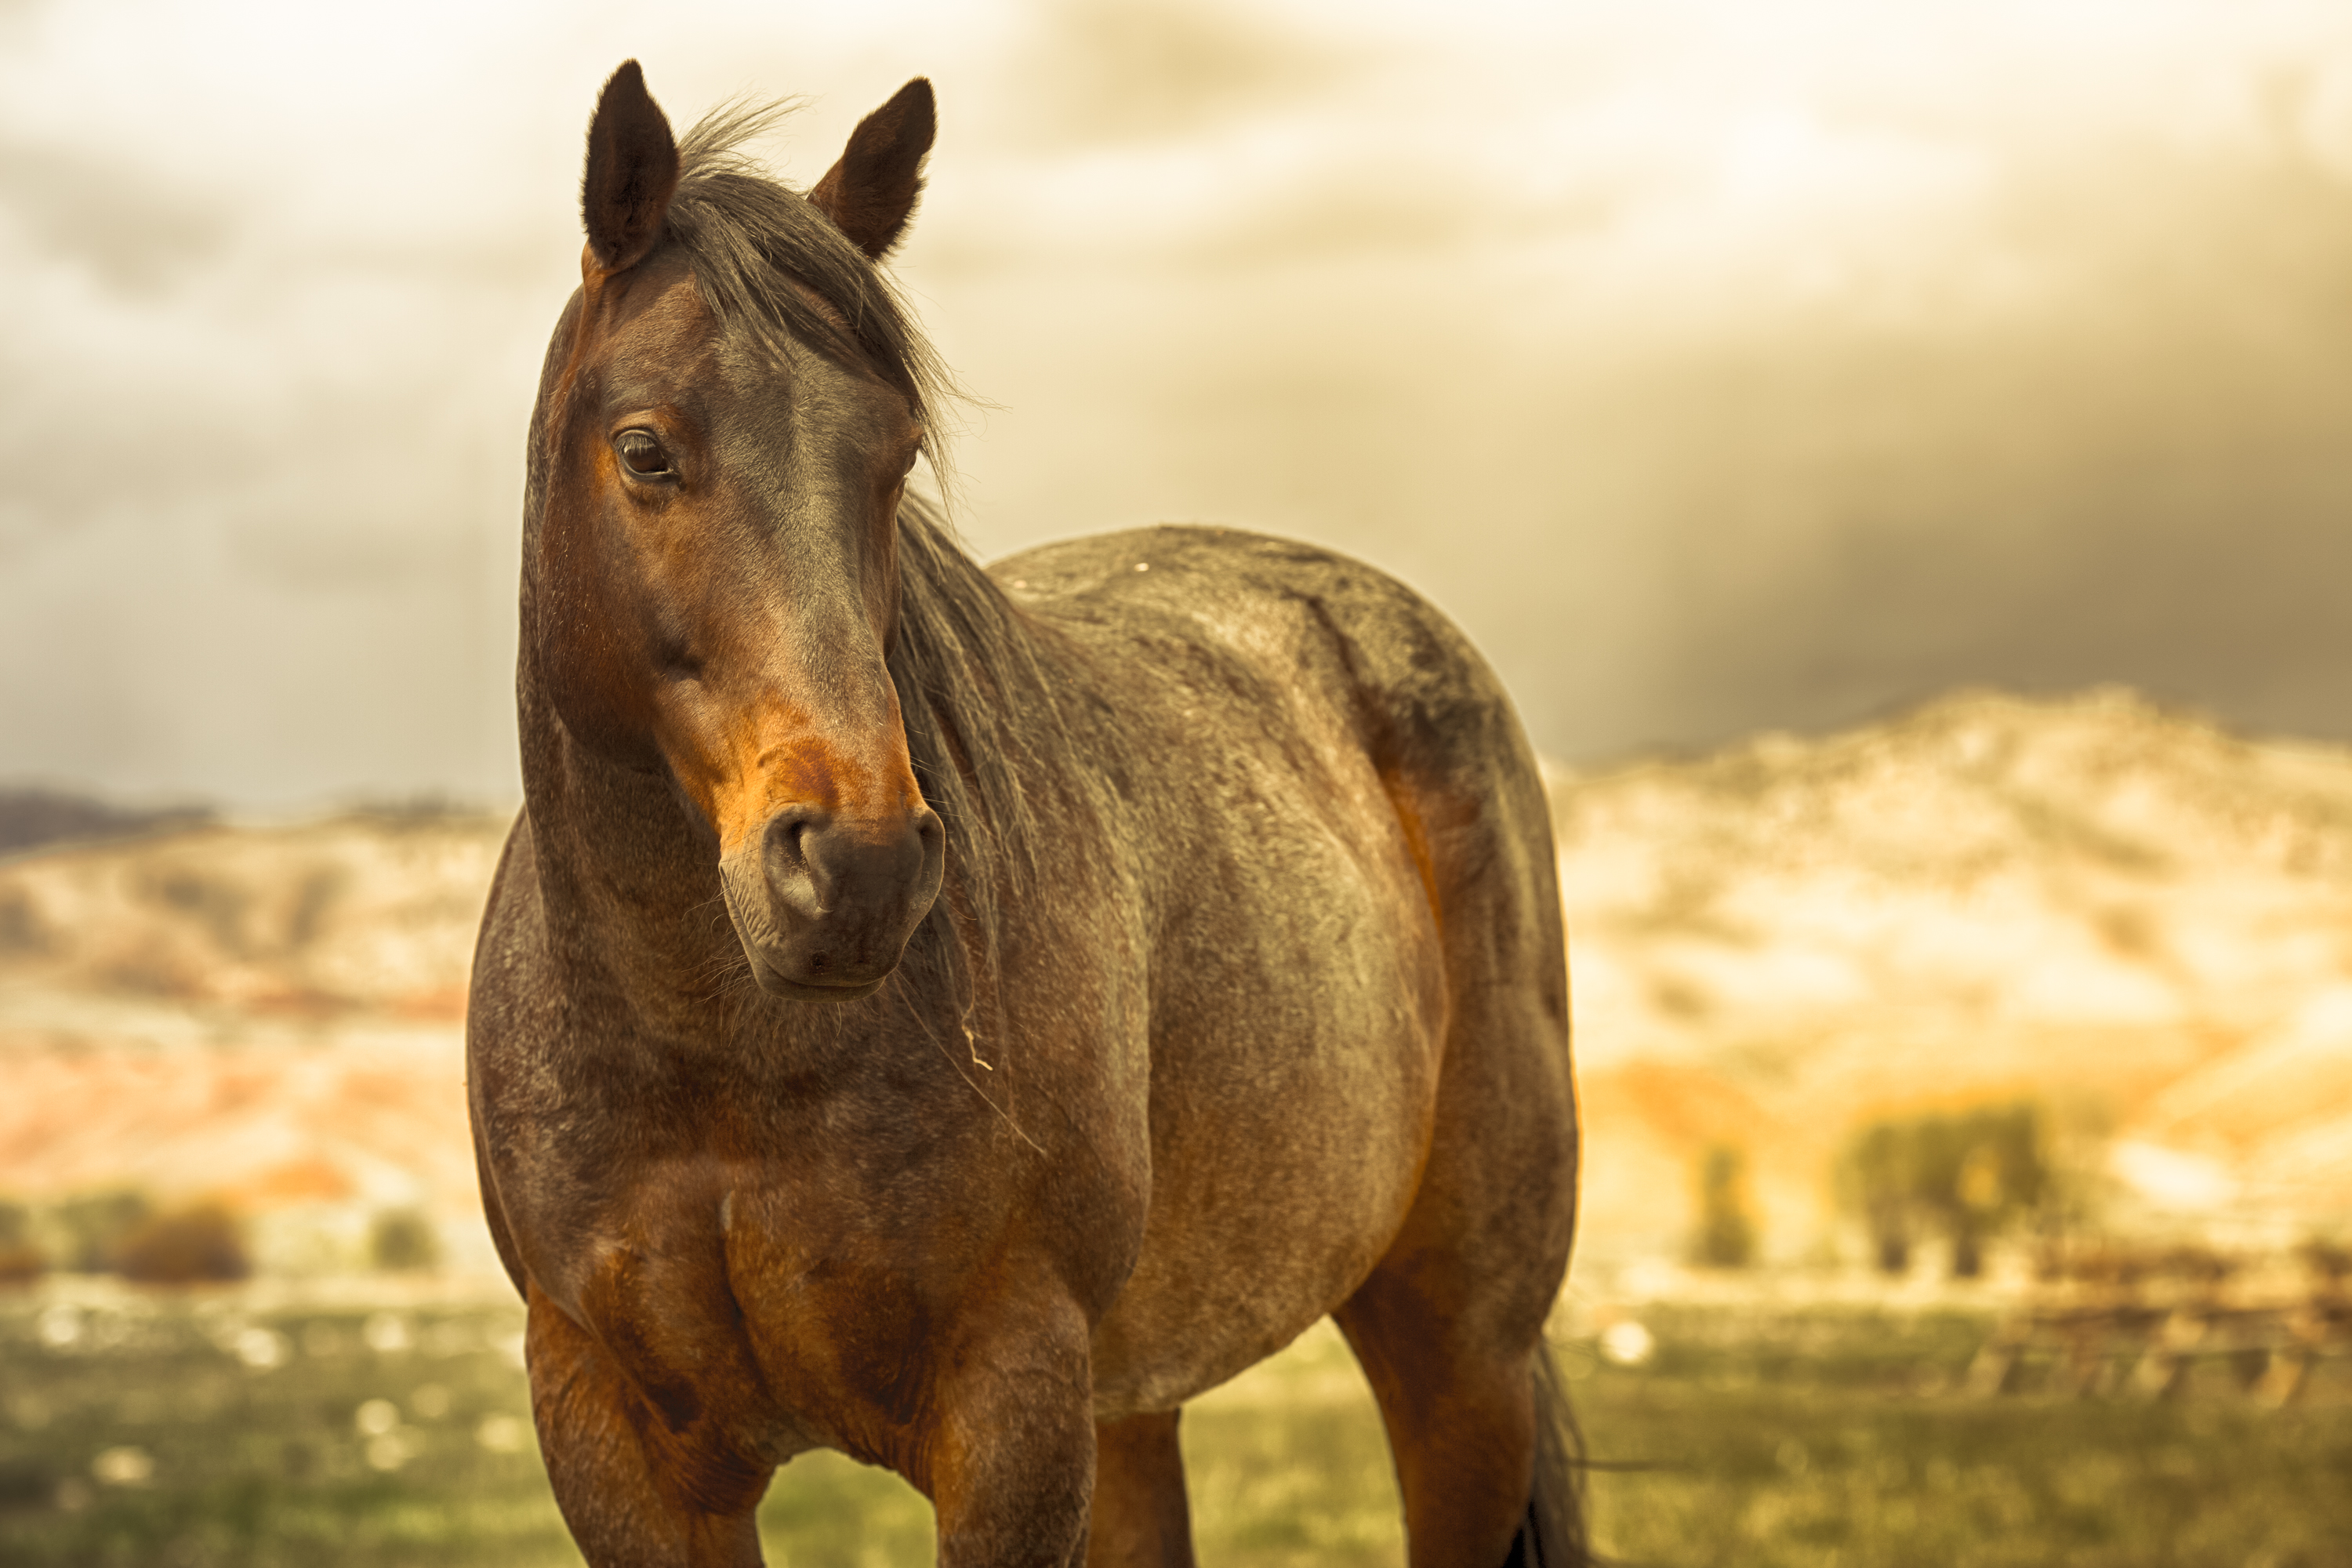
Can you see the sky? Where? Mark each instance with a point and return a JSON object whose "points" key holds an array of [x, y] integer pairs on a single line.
{"points": [[1720, 366]]}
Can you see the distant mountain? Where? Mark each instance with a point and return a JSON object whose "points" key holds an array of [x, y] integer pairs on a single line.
{"points": [[375, 910], [269, 1015], [2138, 920], [31, 816], [2135, 920]]}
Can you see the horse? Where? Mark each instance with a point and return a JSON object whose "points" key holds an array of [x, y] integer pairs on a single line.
{"points": [[955, 1015]]}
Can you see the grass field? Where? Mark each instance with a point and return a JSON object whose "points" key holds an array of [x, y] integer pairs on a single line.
{"points": [[192, 1431]]}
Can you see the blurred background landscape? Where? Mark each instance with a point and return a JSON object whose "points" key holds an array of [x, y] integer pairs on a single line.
{"points": [[2125, 927], [1899, 458]]}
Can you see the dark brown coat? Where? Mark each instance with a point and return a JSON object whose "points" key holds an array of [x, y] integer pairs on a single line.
{"points": [[955, 1017]]}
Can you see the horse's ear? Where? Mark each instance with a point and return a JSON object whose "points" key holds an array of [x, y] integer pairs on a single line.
{"points": [[870, 194], [632, 172]]}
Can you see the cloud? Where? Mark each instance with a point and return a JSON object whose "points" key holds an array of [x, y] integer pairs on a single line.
{"points": [[1716, 366], [2142, 475], [132, 233], [1159, 70]]}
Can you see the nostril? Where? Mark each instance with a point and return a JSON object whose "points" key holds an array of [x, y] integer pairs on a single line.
{"points": [[788, 828], [793, 873]]}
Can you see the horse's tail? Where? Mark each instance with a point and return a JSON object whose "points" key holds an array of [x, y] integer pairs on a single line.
{"points": [[1554, 1535]]}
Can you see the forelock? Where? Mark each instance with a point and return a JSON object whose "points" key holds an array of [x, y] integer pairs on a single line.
{"points": [[749, 239]]}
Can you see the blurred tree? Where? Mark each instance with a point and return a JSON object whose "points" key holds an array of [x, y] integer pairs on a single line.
{"points": [[185, 1246], [1969, 1173], [22, 1260], [1727, 1233], [403, 1239], [92, 1228], [1877, 1170], [2329, 1263]]}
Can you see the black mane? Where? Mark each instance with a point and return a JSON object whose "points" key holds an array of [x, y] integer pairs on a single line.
{"points": [[750, 237], [983, 720]]}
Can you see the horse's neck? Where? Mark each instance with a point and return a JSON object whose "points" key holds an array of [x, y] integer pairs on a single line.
{"points": [[627, 885]]}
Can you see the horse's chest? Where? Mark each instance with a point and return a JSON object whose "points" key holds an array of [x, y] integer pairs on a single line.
{"points": [[798, 1315]]}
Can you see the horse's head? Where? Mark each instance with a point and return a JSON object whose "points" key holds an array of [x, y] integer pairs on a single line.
{"points": [[718, 457]]}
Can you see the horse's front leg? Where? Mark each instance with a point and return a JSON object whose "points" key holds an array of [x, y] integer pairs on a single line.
{"points": [[1011, 1449], [640, 1487]]}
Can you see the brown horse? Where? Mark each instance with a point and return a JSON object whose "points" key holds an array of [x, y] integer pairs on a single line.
{"points": [[955, 1017]]}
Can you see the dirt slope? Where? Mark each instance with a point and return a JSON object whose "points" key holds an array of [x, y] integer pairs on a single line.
{"points": [[2143, 921], [269, 1015], [2123, 912]]}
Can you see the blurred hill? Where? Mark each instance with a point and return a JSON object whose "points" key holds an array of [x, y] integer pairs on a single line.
{"points": [[31, 816], [2135, 920], [273, 1016]]}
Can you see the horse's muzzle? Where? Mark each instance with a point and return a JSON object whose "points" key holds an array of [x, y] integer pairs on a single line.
{"points": [[823, 902]]}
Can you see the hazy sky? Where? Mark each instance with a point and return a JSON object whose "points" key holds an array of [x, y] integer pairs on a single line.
{"points": [[1717, 365]]}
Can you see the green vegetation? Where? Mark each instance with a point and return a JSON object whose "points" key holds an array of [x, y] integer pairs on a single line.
{"points": [[120, 1231], [21, 1259], [1970, 1174], [193, 1430], [123, 1231], [1812, 1437], [200, 1242], [87, 1232], [1726, 1228], [400, 1241]]}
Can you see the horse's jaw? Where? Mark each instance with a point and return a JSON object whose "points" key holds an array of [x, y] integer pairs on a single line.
{"points": [[774, 984]]}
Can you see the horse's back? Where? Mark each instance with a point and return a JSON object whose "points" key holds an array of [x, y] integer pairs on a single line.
{"points": [[1423, 704], [1360, 982]]}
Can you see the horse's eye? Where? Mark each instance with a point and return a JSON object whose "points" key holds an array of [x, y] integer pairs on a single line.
{"points": [[642, 452]]}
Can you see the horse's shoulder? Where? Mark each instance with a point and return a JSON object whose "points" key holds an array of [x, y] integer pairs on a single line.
{"points": [[514, 886]]}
